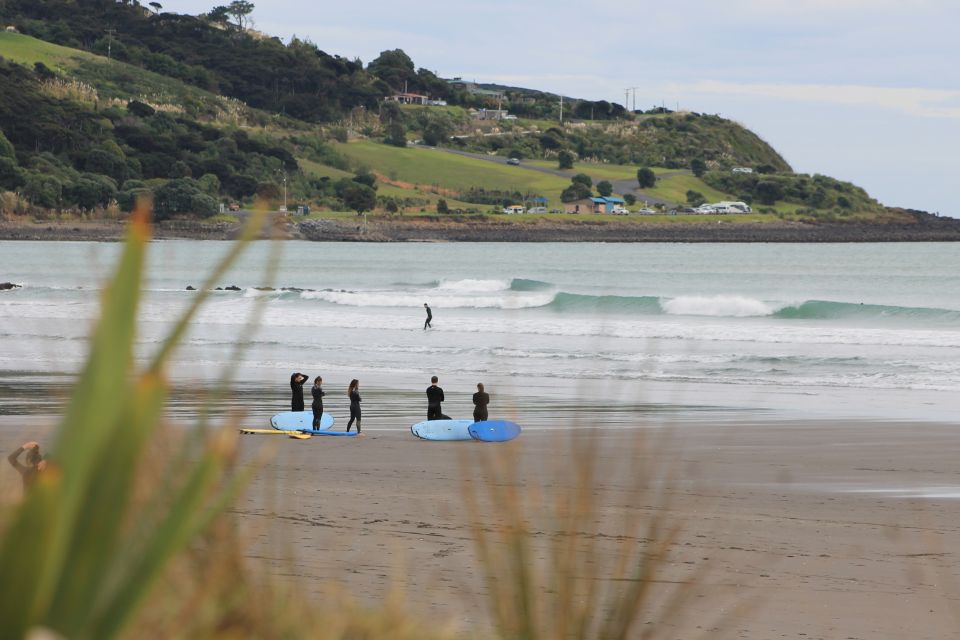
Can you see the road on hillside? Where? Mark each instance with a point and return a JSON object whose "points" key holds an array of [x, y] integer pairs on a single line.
{"points": [[619, 186]]}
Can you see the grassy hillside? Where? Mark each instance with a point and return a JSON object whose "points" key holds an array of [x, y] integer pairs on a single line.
{"points": [[87, 131]]}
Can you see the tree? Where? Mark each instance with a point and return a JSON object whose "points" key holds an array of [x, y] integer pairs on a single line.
{"points": [[395, 68], [218, 14], [10, 175], [604, 188], [768, 192], [646, 178], [359, 197], [584, 179], [630, 199], [442, 206], [576, 191], [698, 166], [183, 195], [240, 9], [766, 169], [396, 135], [695, 198], [43, 190], [365, 177], [6, 148], [391, 205], [565, 159], [156, 6]]}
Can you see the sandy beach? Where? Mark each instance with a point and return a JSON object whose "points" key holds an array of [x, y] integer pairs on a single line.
{"points": [[810, 529]]}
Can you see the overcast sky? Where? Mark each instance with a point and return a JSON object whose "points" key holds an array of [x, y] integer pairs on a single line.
{"points": [[862, 90]]}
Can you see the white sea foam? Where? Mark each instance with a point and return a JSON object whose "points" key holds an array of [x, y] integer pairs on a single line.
{"points": [[473, 286], [717, 306]]}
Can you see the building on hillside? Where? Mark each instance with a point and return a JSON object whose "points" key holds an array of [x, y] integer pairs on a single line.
{"points": [[408, 98], [607, 204], [579, 206], [489, 114], [742, 170]]}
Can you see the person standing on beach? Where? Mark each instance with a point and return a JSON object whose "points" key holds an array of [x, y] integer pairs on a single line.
{"points": [[434, 398], [427, 324], [480, 401], [317, 392], [296, 385], [34, 463], [354, 392]]}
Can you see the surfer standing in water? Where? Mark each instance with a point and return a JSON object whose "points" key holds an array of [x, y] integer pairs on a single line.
{"points": [[317, 392], [354, 392], [480, 401], [426, 323], [434, 398], [296, 385]]}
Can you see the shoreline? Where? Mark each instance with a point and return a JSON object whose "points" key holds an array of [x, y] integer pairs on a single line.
{"points": [[471, 229]]}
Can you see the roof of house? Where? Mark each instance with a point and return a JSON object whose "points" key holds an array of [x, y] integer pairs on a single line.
{"points": [[607, 200]]}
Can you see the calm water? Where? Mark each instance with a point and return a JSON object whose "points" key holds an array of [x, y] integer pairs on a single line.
{"points": [[831, 330]]}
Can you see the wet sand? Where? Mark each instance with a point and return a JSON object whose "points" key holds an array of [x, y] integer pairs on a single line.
{"points": [[805, 524]]}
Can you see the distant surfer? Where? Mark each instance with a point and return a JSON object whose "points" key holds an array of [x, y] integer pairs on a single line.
{"points": [[426, 324], [317, 392], [434, 398], [296, 385], [480, 401], [34, 463], [354, 392]]}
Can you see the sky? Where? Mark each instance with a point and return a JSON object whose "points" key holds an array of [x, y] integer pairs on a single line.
{"points": [[862, 90]]}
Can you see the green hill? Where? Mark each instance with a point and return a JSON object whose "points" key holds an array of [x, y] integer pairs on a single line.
{"points": [[181, 111]]}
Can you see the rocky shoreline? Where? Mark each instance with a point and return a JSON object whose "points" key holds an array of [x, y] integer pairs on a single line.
{"points": [[921, 228]]}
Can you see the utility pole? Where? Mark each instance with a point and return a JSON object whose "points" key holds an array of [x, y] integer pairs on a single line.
{"points": [[110, 33], [284, 173], [634, 89], [561, 109]]}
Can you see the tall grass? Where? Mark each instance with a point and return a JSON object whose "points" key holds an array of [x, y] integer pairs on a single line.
{"points": [[557, 564]]}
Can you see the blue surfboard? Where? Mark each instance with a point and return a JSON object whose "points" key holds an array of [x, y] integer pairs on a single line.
{"points": [[442, 430], [299, 420], [494, 430], [320, 432]]}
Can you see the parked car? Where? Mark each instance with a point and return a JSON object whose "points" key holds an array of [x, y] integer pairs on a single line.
{"points": [[619, 211], [537, 210], [513, 161], [646, 211]]}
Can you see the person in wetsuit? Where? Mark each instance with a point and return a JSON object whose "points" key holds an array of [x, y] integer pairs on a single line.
{"points": [[434, 398], [296, 385], [317, 392], [480, 401], [427, 324], [354, 392], [34, 463]]}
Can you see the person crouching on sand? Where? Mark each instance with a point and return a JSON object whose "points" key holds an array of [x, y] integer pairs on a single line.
{"points": [[480, 401], [354, 392], [317, 406], [434, 398], [35, 463]]}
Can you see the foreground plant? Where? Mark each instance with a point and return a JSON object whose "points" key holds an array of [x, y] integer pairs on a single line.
{"points": [[545, 551], [80, 554]]}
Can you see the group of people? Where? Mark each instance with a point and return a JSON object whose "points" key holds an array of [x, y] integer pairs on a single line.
{"points": [[435, 396], [434, 399], [353, 392]]}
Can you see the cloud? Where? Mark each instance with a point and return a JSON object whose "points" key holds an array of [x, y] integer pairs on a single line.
{"points": [[926, 103]]}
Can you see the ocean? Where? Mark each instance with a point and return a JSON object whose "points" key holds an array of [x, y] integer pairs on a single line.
{"points": [[641, 332]]}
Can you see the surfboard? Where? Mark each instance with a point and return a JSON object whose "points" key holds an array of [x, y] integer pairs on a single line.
{"points": [[321, 432], [297, 420], [494, 430], [442, 429], [269, 432]]}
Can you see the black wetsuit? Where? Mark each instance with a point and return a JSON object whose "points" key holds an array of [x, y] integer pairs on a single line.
{"points": [[434, 398], [296, 385], [354, 410], [480, 401], [317, 405], [429, 318]]}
